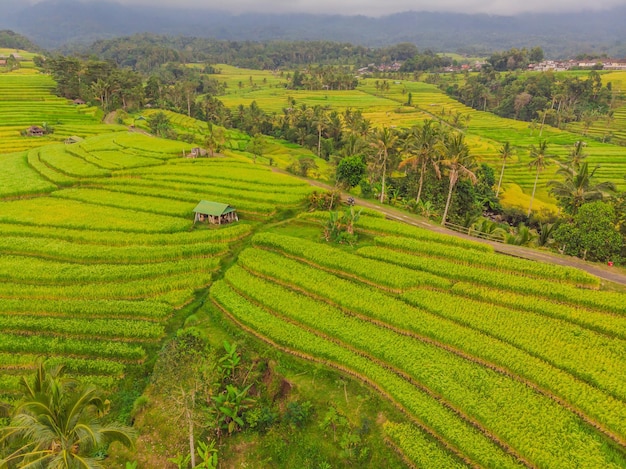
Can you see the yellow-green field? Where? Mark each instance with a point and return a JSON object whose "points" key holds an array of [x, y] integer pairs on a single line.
{"points": [[485, 132]]}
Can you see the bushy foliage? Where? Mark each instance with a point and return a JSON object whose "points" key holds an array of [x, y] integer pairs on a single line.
{"points": [[591, 234]]}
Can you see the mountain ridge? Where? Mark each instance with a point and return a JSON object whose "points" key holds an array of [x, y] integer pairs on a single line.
{"points": [[56, 23]]}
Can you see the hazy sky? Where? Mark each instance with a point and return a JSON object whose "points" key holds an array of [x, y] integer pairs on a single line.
{"points": [[383, 7]]}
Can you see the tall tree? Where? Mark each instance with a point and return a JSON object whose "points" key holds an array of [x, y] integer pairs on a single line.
{"points": [[59, 423], [459, 163], [421, 144], [383, 141], [506, 151], [577, 155], [539, 160]]}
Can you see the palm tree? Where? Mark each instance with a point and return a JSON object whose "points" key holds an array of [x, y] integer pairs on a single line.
{"points": [[383, 140], [458, 162], [421, 143], [577, 188], [58, 424], [320, 121], [506, 152], [577, 155], [539, 160]]}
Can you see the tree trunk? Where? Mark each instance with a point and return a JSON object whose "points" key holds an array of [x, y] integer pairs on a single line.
{"points": [[319, 141], [530, 206], [382, 190], [500, 181], [419, 190], [192, 443], [445, 212]]}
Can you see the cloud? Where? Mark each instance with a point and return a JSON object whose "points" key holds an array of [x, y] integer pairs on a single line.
{"points": [[378, 8]]}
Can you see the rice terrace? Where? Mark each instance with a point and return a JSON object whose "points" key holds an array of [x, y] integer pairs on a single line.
{"points": [[201, 259]]}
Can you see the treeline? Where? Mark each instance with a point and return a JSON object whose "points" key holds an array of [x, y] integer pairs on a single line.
{"points": [[13, 40], [147, 52], [515, 59], [546, 98], [110, 86]]}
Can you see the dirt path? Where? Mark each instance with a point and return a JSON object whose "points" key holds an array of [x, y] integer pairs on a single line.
{"points": [[611, 274], [110, 118]]}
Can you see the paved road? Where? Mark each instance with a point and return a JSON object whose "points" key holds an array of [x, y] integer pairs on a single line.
{"points": [[611, 274]]}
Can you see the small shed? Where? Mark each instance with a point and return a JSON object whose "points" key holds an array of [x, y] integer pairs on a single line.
{"points": [[78, 101], [73, 139], [215, 212], [35, 131], [197, 152]]}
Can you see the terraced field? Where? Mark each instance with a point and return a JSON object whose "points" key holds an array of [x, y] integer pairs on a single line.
{"points": [[26, 100], [496, 362], [99, 249], [485, 132]]}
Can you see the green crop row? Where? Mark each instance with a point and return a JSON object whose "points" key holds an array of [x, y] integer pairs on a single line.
{"points": [[158, 205], [149, 188], [507, 264], [50, 211], [146, 310], [594, 358], [419, 448], [223, 234], [47, 172], [598, 320], [93, 253], [79, 152], [57, 157], [445, 424], [378, 306], [503, 405], [48, 345], [135, 289], [110, 328], [43, 271], [76, 365], [611, 301], [242, 188], [17, 178], [247, 174], [327, 257], [157, 146], [381, 225], [112, 159], [208, 190]]}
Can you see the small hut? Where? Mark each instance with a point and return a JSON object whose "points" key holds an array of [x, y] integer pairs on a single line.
{"points": [[35, 131], [78, 101], [73, 139], [215, 212], [197, 152]]}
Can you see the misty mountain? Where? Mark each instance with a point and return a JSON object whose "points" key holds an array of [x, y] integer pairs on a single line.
{"points": [[54, 23]]}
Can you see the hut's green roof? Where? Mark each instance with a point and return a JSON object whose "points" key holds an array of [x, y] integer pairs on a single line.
{"points": [[214, 209]]}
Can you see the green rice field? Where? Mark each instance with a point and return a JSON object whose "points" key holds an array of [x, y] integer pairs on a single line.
{"points": [[496, 362], [485, 132], [99, 247]]}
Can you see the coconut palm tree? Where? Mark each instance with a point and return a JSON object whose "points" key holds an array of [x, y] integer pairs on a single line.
{"points": [[577, 155], [383, 141], [506, 151], [539, 160], [421, 143], [459, 163], [578, 188], [58, 424]]}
